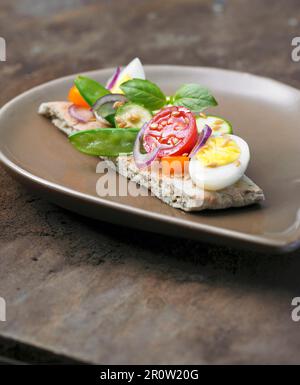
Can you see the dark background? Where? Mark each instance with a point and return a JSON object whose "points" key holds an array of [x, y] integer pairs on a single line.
{"points": [[94, 292]]}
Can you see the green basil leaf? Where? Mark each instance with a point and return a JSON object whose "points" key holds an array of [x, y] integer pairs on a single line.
{"points": [[89, 89], [105, 141], [145, 93], [194, 97]]}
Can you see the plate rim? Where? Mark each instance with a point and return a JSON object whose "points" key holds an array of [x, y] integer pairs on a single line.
{"points": [[279, 246]]}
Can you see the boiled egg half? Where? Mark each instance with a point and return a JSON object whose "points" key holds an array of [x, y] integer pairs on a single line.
{"points": [[134, 70], [220, 163]]}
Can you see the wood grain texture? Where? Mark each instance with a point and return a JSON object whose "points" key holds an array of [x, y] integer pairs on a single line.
{"points": [[104, 294]]}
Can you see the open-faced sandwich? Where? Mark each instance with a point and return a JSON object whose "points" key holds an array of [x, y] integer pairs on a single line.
{"points": [[167, 144]]}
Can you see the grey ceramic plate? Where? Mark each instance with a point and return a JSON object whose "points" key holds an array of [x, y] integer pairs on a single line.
{"points": [[264, 112]]}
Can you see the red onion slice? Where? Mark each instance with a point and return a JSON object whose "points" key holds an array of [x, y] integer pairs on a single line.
{"points": [[144, 160], [112, 81], [202, 139], [83, 115]]}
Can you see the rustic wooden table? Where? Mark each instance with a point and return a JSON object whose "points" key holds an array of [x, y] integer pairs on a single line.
{"points": [[81, 290]]}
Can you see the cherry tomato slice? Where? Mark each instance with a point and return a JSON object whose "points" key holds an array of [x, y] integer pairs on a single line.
{"points": [[76, 98], [174, 128]]}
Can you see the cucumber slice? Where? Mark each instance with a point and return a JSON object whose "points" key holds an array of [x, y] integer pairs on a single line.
{"points": [[105, 107], [132, 115], [218, 125], [107, 112]]}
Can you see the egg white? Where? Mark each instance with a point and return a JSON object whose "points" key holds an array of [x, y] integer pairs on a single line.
{"points": [[134, 70], [218, 178]]}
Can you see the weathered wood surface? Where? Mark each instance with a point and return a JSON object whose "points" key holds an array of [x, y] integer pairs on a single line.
{"points": [[101, 293]]}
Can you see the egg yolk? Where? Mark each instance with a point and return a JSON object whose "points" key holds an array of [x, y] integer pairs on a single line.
{"points": [[218, 151], [116, 88]]}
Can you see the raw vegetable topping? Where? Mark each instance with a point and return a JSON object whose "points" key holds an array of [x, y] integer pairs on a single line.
{"points": [[145, 93], [89, 89], [173, 127], [130, 114], [175, 165], [219, 125], [180, 135], [194, 97], [106, 106], [105, 141], [81, 114], [202, 139], [76, 98], [111, 83], [141, 159]]}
